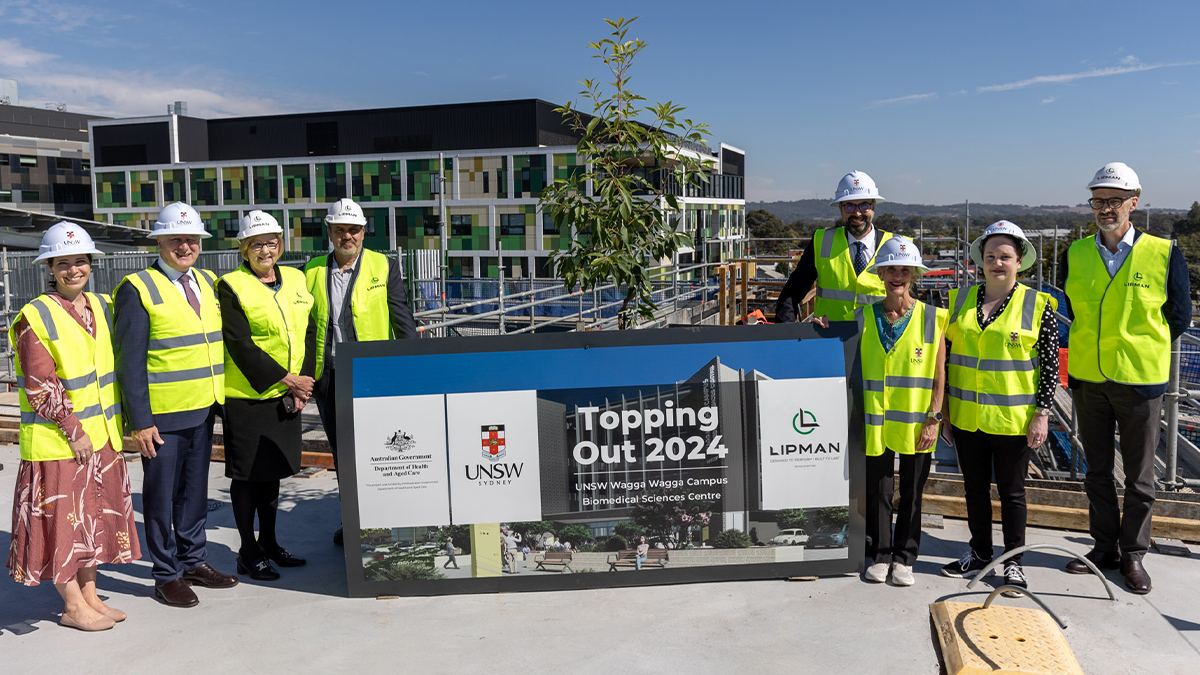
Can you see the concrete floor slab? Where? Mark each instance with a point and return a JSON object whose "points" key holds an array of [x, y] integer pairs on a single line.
{"points": [[303, 623]]}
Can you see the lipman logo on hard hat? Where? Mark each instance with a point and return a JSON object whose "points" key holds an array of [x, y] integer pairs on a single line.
{"points": [[1110, 170]]}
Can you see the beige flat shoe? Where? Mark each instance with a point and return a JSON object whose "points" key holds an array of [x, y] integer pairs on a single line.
{"points": [[115, 614], [100, 623]]}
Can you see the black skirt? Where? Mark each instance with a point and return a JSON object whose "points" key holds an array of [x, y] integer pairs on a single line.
{"points": [[262, 440]]}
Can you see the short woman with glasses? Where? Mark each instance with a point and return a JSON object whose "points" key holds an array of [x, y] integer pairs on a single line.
{"points": [[1002, 371], [270, 356]]}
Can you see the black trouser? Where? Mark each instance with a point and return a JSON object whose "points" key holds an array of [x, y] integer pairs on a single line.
{"points": [[1102, 408], [323, 392], [979, 456], [882, 546]]}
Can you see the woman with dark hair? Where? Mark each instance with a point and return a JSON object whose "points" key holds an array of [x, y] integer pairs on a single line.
{"points": [[1002, 371], [270, 356], [73, 509]]}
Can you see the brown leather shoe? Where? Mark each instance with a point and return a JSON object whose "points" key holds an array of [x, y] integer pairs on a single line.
{"points": [[176, 593], [1105, 560], [1137, 580], [205, 575]]}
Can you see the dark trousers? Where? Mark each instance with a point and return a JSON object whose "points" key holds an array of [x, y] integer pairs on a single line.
{"points": [[323, 392], [1103, 408], [175, 501], [882, 545], [980, 455]]}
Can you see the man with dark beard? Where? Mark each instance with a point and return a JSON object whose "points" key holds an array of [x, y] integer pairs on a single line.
{"points": [[837, 258], [1128, 296]]}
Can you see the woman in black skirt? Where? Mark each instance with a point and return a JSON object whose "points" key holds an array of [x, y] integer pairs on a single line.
{"points": [[270, 355]]}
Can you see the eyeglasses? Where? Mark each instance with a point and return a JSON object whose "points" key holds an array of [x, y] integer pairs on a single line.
{"points": [[265, 246], [353, 230], [860, 208], [1098, 204]]}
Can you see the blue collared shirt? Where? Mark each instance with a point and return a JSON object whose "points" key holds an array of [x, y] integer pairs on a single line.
{"points": [[1113, 261]]}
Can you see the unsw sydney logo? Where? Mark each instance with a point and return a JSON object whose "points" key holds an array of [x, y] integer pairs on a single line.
{"points": [[495, 448], [804, 423]]}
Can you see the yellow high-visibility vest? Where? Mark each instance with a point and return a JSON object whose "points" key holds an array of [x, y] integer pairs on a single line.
{"points": [[839, 290], [368, 299], [993, 372], [898, 385], [185, 355], [86, 368], [1119, 332], [278, 321]]}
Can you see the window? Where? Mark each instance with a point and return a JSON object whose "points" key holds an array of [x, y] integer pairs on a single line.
{"points": [[432, 225], [29, 196], [512, 225], [3, 159], [86, 164], [311, 227], [26, 160], [5, 196], [168, 193], [460, 226], [205, 192], [486, 189], [149, 193], [370, 226], [548, 226], [231, 226], [62, 163]]}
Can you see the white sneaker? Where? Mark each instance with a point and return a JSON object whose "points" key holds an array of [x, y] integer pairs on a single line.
{"points": [[877, 573], [902, 575]]}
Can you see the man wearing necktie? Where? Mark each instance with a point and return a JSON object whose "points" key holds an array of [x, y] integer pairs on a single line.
{"points": [[171, 365], [837, 258]]}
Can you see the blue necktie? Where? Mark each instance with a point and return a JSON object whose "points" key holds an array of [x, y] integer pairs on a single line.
{"points": [[860, 257]]}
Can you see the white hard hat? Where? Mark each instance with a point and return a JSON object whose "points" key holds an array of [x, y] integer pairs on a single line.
{"points": [[854, 186], [179, 218], [345, 211], [1029, 254], [258, 222], [899, 251], [65, 238], [1115, 175]]}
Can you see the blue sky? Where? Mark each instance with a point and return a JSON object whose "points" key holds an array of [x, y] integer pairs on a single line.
{"points": [[1014, 102]]}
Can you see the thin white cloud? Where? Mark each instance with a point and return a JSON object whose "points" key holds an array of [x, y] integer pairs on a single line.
{"points": [[1071, 77], [1129, 59], [903, 100], [499, 77], [1047, 101], [57, 17], [420, 73], [49, 79]]}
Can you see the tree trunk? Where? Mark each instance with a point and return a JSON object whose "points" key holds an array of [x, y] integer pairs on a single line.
{"points": [[623, 314]]}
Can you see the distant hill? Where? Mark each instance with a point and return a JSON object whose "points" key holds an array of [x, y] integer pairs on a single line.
{"points": [[819, 209]]}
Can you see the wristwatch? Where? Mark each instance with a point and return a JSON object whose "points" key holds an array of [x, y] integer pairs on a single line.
{"points": [[934, 415], [1043, 412]]}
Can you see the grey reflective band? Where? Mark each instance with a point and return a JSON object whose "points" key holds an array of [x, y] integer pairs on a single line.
{"points": [[999, 400], [1006, 366], [905, 417], [874, 420], [151, 287], [847, 296], [905, 382], [108, 378], [112, 410], [1027, 308], [860, 319], [107, 313], [959, 301], [962, 360], [930, 323], [212, 278], [78, 382], [87, 413], [827, 241], [185, 375], [873, 385], [184, 341], [47, 318]]}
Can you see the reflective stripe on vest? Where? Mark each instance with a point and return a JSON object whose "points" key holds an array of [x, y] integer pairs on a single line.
{"points": [[84, 365], [1119, 332], [368, 299], [278, 321], [185, 353], [898, 385], [839, 290], [993, 372]]}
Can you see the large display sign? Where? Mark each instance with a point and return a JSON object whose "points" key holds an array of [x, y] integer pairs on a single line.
{"points": [[600, 459]]}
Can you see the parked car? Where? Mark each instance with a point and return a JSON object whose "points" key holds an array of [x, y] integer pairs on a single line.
{"points": [[830, 536], [793, 537]]}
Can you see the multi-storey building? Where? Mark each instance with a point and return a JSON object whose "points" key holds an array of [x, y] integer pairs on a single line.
{"points": [[45, 161], [464, 179]]}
